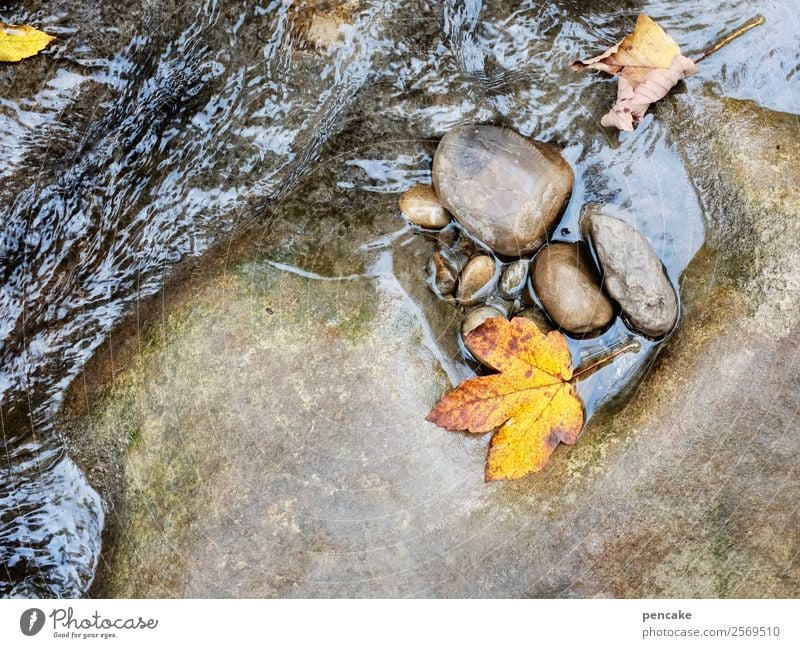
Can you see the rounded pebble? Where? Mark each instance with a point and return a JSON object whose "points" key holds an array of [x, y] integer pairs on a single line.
{"points": [[513, 279], [478, 316], [421, 207], [568, 287], [476, 280]]}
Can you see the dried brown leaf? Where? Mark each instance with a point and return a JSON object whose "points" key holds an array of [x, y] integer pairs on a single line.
{"points": [[633, 99], [649, 63]]}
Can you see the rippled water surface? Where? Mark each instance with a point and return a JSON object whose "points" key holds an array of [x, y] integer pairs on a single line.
{"points": [[152, 132]]}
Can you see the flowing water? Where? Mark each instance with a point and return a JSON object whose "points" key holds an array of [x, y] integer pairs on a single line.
{"points": [[150, 134]]}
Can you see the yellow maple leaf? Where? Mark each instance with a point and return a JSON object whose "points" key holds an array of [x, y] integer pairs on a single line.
{"points": [[531, 400], [21, 41]]}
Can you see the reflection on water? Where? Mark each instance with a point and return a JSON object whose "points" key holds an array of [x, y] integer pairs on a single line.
{"points": [[149, 134]]}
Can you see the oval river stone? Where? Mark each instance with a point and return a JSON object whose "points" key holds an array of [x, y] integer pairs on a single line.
{"points": [[633, 273], [513, 279], [566, 283], [476, 280], [478, 316], [506, 190], [421, 206]]}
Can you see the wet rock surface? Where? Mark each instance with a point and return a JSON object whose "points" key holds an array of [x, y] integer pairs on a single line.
{"points": [[243, 528], [748, 158], [681, 491], [506, 190], [632, 271], [359, 496], [567, 284], [688, 488]]}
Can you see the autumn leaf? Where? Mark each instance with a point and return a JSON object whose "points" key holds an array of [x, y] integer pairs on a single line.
{"points": [[531, 400], [649, 63], [20, 41]]}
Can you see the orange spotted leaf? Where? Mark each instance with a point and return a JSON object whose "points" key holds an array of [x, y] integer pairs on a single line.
{"points": [[530, 402]]}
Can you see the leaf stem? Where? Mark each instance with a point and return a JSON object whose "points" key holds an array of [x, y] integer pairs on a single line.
{"points": [[585, 371], [755, 21]]}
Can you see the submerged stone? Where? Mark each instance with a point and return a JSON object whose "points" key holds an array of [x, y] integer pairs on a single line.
{"points": [[478, 316], [537, 317], [567, 284], [513, 279], [477, 279], [633, 274], [421, 207], [455, 248], [444, 275], [506, 190]]}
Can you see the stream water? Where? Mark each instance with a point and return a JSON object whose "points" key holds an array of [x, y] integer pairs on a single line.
{"points": [[150, 133]]}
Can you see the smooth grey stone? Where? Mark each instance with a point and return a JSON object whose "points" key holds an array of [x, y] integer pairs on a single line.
{"points": [[633, 273], [506, 190]]}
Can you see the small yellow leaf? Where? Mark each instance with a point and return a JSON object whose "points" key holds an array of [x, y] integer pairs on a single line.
{"points": [[531, 400], [20, 41], [649, 46]]}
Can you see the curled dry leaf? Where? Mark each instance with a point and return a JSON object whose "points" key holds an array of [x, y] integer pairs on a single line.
{"points": [[20, 41], [320, 24], [531, 400], [649, 63]]}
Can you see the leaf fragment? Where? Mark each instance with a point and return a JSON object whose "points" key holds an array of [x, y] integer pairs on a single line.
{"points": [[633, 99], [531, 400], [18, 42]]}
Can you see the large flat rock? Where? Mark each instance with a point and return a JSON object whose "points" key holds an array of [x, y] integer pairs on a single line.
{"points": [[269, 438]]}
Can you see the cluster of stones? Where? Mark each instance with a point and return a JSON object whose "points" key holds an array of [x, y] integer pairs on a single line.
{"points": [[507, 194]]}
